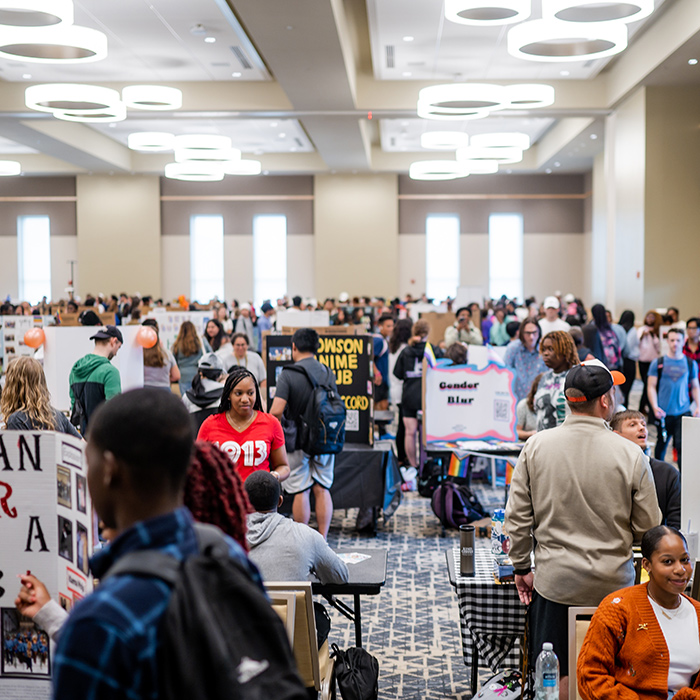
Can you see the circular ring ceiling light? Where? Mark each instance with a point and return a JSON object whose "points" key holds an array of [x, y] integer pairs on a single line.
{"points": [[428, 111], [55, 44], [464, 97], [35, 13], [623, 11], [502, 155], [479, 167], [484, 13], [552, 40], [202, 141], [207, 154], [436, 170], [195, 171], [152, 97], [242, 167], [115, 113], [70, 97], [151, 141], [530, 95], [8, 168], [502, 140], [444, 140]]}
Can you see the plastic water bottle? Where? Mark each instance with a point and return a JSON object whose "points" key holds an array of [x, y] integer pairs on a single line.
{"points": [[547, 674]]}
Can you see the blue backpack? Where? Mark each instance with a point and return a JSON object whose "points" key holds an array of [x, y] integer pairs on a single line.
{"points": [[321, 425]]}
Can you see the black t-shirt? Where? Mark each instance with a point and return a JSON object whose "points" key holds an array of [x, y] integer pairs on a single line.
{"points": [[295, 388]]}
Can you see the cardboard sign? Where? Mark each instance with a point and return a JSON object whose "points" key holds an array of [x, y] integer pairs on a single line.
{"points": [[351, 359], [46, 527], [464, 402]]}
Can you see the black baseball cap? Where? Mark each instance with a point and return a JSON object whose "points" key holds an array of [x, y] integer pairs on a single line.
{"points": [[108, 332], [593, 379]]}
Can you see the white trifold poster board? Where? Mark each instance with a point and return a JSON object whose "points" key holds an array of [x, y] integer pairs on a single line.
{"points": [[690, 485], [46, 528], [303, 319], [463, 402], [65, 345], [169, 323]]}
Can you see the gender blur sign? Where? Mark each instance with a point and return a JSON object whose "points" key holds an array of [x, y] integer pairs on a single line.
{"points": [[45, 529], [462, 402]]}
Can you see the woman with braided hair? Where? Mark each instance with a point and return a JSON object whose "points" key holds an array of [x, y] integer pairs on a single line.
{"points": [[214, 492], [252, 439]]}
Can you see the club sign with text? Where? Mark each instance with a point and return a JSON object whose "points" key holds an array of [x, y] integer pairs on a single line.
{"points": [[463, 402], [45, 529], [350, 358]]}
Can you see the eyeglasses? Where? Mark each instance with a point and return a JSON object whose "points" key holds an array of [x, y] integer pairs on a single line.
{"points": [[691, 328], [531, 332]]}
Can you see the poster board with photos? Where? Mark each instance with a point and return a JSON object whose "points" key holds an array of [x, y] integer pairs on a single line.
{"points": [[351, 359], [12, 330], [46, 527]]}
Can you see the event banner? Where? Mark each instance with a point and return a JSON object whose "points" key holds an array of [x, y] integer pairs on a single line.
{"points": [[351, 359], [463, 402], [46, 529]]}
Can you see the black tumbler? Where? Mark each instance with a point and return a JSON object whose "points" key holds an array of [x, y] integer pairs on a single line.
{"points": [[466, 550]]}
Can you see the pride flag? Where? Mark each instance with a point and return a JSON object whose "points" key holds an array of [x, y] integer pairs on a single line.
{"points": [[459, 466], [429, 355]]}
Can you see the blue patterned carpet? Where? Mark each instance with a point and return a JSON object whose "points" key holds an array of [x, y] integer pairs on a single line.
{"points": [[412, 627]]}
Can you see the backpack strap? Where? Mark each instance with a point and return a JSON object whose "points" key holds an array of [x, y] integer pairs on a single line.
{"points": [[300, 368], [156, 564]]}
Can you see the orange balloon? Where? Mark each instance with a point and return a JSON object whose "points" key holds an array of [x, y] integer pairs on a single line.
{"points": [[146, 337], [34, 337]]}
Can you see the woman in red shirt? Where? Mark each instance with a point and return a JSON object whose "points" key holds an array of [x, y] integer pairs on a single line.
{"points": [[252, 439]]}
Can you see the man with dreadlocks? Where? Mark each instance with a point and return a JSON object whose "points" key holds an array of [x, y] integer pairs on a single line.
{"points": [[559, 355], [252, 439]]}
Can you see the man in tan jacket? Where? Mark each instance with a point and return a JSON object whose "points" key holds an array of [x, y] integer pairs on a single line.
{"points": [[584, 493]]}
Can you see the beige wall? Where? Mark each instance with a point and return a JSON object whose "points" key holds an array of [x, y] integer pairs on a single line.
{"points": [[625, 179], [118, 224], [672, 211], [356, 234]]}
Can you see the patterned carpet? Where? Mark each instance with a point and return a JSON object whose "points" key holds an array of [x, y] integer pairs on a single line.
{"points": [[412, 627]]}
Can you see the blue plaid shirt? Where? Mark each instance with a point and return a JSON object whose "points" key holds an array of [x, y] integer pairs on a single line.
{"points": [[107, 648]]}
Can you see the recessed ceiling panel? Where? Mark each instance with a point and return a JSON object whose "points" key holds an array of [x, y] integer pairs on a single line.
{"points": [[404, 134], [156, 41], [413, 41], [252, 136]]}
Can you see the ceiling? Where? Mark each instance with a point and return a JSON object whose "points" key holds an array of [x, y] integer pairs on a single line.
{"points": [[324, 86]]}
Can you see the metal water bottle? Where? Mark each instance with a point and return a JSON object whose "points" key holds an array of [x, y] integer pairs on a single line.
{"points": [[466, 550]]}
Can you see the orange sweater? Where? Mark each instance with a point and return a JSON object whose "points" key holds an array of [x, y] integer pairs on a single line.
{"points": [[624, 655]]}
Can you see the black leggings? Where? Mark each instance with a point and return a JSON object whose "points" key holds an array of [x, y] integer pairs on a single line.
{"points": [[629, 369], [644, 373], [401, 440]]}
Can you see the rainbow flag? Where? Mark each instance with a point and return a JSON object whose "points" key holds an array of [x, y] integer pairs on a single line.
{"points": [[459, 466], [429, 355]]}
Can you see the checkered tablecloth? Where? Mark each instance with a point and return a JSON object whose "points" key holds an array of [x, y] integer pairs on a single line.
{"points": [[492, 618]]}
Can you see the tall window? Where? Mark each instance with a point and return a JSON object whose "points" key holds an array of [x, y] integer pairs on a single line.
{"points": [[506, 256], [206, 257], [441, 256], [34, 258], [269, 257]]}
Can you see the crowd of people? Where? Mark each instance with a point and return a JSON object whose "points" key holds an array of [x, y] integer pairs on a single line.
{"points": [[584, 478]]}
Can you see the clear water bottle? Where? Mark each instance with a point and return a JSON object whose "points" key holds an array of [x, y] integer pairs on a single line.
{"points": [[547, 674]]}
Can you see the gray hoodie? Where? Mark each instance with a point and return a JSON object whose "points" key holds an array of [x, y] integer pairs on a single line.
{"points": [[287, 551]]}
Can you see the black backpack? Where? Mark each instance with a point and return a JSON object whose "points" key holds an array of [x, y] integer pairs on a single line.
{"points": [[321, 424], [357, 673], [220, 637]]}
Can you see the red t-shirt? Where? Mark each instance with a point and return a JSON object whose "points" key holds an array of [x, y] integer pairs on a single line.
{"points": [[249, 450]]}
